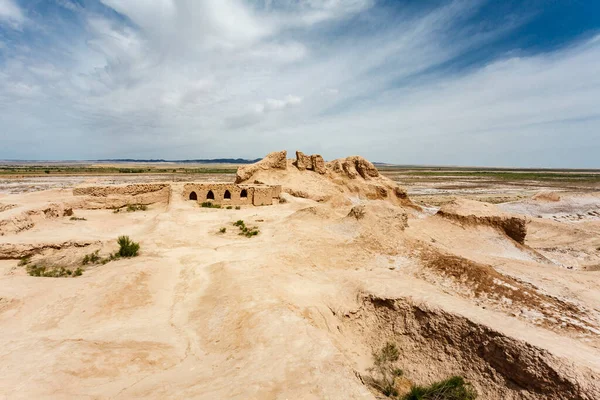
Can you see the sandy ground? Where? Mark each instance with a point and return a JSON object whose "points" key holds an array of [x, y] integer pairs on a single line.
{"points": [[295, 312]]}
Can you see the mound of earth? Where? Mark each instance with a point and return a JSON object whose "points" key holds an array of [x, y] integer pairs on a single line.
{"points": [[312, 178], [546, 196], [478, 213], [18, 220]]}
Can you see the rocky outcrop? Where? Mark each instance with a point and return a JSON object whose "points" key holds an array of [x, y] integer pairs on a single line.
{"points": [[21, 221], [318, 164], [54, 210], [546, 196], [353, 167], [276, 160], [303, 161], [357, 212], [470, 212], [311, 163], [15, 224], [501, 366], [5, 207], [312, 178], [14, 251]]}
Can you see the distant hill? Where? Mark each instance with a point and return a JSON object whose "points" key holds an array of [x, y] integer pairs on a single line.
{"points": [[198, 161]]}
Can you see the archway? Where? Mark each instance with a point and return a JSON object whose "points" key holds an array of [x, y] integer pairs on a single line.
{"points": [[193, 196], [210, 195], [227, 195], [244, 194]]}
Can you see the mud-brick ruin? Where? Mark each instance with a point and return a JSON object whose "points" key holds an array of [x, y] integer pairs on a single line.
{"points": [[232, 194]]}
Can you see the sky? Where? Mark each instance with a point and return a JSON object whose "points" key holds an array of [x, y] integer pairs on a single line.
{"points": [[464, 82]]}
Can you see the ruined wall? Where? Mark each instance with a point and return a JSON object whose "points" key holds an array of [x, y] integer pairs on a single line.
{"points": [[263, 196], [262, 193], [98, 197], [218, 190], [129, 190]]}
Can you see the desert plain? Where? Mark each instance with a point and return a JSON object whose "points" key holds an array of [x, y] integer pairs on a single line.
{"points": [[490, 275]]}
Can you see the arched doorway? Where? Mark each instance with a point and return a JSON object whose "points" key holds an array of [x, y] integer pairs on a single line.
{"points": [[244, 194], [227, 195], [193, 196], [210, 195]]}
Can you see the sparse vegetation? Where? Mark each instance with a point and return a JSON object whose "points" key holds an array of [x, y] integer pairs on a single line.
{"points": [[222, 230], [565, 176], [103, 170], [454, 388], [55, 272], [385, 372], [238, 207], [92, 258], [229, 207], [24, 261], [127, 247], [136, 207], [78, 219], [282, 200], [208, 204], [130, 208], [244, 230]]}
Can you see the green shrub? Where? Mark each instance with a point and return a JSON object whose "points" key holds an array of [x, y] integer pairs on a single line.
{"points": [[208, 204], [78, 219], [244, 230], [223, 230], [384, 372], [24, 261], [282, 200], [238, 207], [78, 272], [454, 388], [127, 247], [91, 258], [59, 272], [229, 207], [136, 207]]}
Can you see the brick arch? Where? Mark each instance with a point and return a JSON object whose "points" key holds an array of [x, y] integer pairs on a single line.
{"points": [[193, 196], [244, 194], [227, 195], [210, 195]]}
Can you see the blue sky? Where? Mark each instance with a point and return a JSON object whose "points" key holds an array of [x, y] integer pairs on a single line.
{"points": [[467, 82]]}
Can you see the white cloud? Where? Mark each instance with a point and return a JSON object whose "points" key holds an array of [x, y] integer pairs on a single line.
{"points": [[276, 104], [11, 13], [177, 76]]}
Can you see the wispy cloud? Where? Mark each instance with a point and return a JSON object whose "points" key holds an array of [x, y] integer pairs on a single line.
{"points": [[11, 14], [183, 78]]}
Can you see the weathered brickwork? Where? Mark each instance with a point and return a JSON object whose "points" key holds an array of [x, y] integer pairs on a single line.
{"points": [[226, 194]]}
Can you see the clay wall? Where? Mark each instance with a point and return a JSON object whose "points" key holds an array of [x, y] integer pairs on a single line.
{"points": [[99, 197], [255, 194], [263, 196]]}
